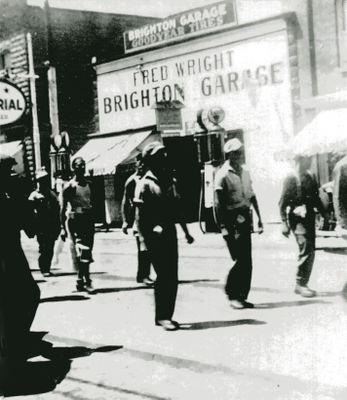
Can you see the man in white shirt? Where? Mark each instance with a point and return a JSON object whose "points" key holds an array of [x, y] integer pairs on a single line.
{"points": [[234, 197], [77, 212]]}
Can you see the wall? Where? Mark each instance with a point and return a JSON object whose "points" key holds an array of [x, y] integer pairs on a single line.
{"points": [[245, 71]]}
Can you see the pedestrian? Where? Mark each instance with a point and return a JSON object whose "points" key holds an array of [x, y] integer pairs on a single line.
{"points": [[47, 210], [19, 293], [128, 215], [340, 192], [157, 203], [234, 197], [299, 199], [77, 219]]}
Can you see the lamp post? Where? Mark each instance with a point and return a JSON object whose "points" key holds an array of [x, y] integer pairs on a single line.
{"points": [[60, 156]]}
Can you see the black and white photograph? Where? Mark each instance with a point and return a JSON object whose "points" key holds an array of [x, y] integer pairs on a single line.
{"points": [[173, 199]]}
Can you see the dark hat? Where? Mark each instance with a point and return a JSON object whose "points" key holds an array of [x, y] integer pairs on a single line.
{"points": [[151, 149]]}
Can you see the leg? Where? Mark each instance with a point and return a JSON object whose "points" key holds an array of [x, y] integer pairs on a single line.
{"points": [[143, 263], [306, 258], [164, 256], [41, 240], [239, 278], [305, 237]]}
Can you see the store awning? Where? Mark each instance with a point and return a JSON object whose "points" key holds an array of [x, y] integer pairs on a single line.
{"points": [[326, 133], [103, 154], [14, 149]]}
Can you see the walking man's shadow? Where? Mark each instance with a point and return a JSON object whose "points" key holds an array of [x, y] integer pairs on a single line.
{"points": [[23, 377]]}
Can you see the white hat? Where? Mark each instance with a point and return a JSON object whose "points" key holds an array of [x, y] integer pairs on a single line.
{"points": [[232, 145]]}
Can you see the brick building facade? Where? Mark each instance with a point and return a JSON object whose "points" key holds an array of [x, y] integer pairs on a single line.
{"points": [[68, 40]]}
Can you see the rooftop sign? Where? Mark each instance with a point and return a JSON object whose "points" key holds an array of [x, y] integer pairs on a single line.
{"points": [[193, 22], [12, 103]]}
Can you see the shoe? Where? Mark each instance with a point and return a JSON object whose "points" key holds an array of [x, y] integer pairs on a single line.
{"points": [[304, 291], [247, 304], [237, 304], [168, 324], [80, 286], [148, 282], [89, 287], [46, 274]]}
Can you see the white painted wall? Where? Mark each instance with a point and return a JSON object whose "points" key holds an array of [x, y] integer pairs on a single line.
{"points": [[262, 108]]}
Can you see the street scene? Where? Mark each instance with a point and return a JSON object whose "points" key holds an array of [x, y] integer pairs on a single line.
{"points": [[173, 199]]}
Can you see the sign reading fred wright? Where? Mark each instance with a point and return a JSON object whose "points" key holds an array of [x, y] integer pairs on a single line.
{"points": [[181, 26], [12, 103]]}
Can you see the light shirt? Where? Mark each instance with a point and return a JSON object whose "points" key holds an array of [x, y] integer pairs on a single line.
{"points": [[237, 189], [78, 196]]}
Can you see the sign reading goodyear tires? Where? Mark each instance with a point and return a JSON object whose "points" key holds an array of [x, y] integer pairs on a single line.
{"points": [[12, 103], [181, 26]]}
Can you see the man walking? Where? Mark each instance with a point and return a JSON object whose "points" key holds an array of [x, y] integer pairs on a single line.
{"points": [[234, 197], [300, 197], [46, 207], [128, 215], [76, 212], [156, 199]]}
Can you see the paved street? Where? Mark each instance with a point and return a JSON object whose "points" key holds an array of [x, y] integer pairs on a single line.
{"points": [[286, 348]]}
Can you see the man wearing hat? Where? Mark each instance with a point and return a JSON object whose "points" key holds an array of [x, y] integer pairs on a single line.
{"points": [[128, 215], [157, 211], [234, 197], [47, 209]]}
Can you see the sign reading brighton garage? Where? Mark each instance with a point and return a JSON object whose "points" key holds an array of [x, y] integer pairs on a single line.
{"points": [[12, 103], [181, 26]]}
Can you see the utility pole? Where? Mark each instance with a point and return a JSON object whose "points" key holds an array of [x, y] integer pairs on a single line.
{"points": [[32, 78], [52, 78]]}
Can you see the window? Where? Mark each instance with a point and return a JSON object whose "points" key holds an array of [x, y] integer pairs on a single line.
{"points": [[5, 60]]}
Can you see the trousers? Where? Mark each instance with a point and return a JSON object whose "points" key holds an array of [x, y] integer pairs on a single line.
{"points": [[81, 232], [163, 252], [238, 240], [143, 262], [46, 243], [304, 231]]}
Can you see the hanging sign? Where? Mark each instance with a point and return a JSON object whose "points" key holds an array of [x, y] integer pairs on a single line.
{"points": [[181, 26], [12, 103]]}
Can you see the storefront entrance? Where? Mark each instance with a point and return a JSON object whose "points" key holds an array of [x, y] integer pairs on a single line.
{"points": [[183, 159]]}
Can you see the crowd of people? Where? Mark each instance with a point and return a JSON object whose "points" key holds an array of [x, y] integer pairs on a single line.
{"points": [[151, 208]]}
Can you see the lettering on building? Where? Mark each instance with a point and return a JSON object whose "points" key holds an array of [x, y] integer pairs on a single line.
{"points": [[180, 26]]}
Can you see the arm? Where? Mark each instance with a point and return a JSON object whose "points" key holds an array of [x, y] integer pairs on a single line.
{"points": [[63, 208], [189, 238], [255, 205], [127, 207], [318, 201], [283, 205]]}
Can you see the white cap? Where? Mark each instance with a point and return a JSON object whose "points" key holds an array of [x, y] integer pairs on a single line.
{"points": [[232, 145]]}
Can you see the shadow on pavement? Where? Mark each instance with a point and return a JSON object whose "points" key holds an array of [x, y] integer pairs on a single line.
{"points": [[58, 274], [121, 289], [21, 377], [333, 250], [72, 297], [195, 326], [281, 304], [344, 292], [28, 377], [197, 281]]}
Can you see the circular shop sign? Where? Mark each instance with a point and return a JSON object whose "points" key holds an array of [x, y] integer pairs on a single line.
{"points": [[216, 115], [12, 103]]}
